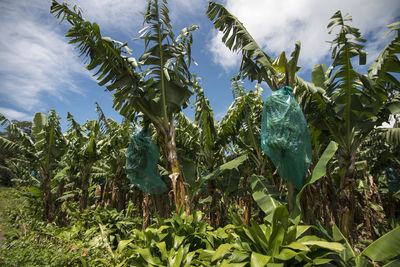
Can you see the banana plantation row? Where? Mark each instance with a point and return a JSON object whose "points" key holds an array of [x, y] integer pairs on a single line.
{"points": [[218, 167]]}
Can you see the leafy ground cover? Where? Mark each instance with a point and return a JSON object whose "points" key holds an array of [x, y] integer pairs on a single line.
{"points": [[110, 238]]}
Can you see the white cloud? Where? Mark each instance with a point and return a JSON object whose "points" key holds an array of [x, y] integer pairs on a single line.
{"points": [[276, 25], [221, 54], [125, 16], [35, 59], [111, 15], [184, 10], [12, 114]]}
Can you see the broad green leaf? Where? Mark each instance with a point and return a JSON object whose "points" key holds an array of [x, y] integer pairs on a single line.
{"points": [[280, 62], [258, 260], [146, 255], [297, 246], [189, 170], [286, 254], [177, 260], [230, 165], [292, 64], [394, 107], [178, 241], [301, 229], [264, 193], [255, 62], [221, 251], [394, 263], [320, 169], [122, 245], [393, 136], [258, 235], [276, 241], [239, 256], [325, 244], [225, 263], [384, 248], [318, 172], [320, 261], [39, 122], [163, 250], [348, 253], [318, 75]]}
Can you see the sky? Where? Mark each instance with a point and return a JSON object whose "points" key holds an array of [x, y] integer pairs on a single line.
{"points": [[40, 71]]}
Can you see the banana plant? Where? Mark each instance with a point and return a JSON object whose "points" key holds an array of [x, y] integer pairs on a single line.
{"points": [[7, 172], [199, 139], [157, 85], [84, 152], [113, 150], [384, 250], [274, 243], [43, 149], [241, 124], [352, 104]]}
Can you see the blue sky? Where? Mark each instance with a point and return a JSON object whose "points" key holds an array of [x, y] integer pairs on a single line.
{"points": [[39, 71]]}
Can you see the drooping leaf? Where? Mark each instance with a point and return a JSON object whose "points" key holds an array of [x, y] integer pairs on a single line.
{"points": [[221, 251], [259, 260], [230, 165], [318, 172], [384, 248], [264, 194]]}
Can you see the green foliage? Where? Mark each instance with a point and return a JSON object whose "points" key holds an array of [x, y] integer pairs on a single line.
{"points": [[276, 242], [384, 248], [158, 91], [265, 194], [256, 64], [30, 242]]}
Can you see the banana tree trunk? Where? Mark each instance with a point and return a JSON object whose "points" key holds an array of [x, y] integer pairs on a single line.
{"points": [[347, 199], [85, 190], [47, 199], [105, 199], [146, 211], [169, 146], [61, 218], [117, 195], [214, 215]]}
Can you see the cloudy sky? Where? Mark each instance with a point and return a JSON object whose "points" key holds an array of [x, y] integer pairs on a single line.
{"points": [[39, 71]]}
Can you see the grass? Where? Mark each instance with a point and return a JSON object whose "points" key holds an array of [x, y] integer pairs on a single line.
{"points": [[29, 241]]}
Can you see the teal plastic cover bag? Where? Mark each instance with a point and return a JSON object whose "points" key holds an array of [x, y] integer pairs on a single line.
{"points": [[285, 136], [392, 179], [141, 164]]}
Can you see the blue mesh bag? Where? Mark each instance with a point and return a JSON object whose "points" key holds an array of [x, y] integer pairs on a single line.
{"points": [[392, 179], [141, 164], [285, 137]]}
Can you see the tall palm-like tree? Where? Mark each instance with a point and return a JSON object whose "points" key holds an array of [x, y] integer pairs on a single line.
{"points": [[157, 85], [352, 104], [43, 150], [346, 103], [83, 152], [113, 149]]}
